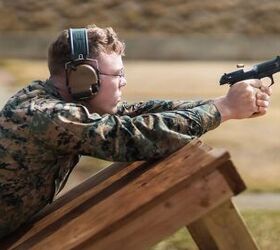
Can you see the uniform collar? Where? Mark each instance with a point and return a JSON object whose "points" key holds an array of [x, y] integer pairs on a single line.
{"points": [[51, 88]]}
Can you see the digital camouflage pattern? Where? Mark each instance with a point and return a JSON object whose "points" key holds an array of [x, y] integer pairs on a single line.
{"points": [[43, 136]]}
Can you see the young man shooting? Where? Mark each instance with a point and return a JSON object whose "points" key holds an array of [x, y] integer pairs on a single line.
{"points": [[46, 126]]}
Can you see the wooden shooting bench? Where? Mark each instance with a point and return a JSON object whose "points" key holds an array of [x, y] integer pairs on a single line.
{"points": [[133, 206]]}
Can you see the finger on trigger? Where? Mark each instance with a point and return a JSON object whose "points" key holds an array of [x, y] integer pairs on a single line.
{"points": [[266, 90], [257, 83]]}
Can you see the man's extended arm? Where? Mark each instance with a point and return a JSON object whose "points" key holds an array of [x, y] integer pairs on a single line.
{"points": [[154, 106], [69, 128], [228, 105]]}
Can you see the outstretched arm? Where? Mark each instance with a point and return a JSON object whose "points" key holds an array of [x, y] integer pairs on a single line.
{"points": [[70, 129], [155, 106]]}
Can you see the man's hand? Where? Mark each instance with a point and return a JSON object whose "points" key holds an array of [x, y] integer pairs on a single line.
{"points": [[263, 97], [246, 99]]}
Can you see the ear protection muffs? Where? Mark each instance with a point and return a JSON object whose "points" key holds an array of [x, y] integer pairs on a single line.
{"points": [[82, 78]]}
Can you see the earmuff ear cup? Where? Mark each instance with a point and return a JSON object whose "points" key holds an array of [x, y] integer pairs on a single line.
{"points": [[83, 81]]}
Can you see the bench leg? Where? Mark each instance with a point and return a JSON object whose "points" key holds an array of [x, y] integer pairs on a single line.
{"points": [[223, 229]]}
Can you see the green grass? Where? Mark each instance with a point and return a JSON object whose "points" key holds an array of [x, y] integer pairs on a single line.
{"points": [[263, 225]]}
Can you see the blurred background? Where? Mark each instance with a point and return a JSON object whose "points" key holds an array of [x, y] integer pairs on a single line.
{"points": [[174, 50]]}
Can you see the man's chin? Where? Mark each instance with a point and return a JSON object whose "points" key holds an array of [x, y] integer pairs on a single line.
{"points": [[111, 111], [114, 110]]}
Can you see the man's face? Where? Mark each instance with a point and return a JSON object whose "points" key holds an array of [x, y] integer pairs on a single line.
{"points": [[109, 94]]}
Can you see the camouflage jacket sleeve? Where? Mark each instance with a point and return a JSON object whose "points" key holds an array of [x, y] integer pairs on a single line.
{"points": [[154, 106], [68, 128]]}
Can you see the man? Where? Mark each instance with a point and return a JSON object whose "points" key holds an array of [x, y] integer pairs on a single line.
{"points": [[46, 126]]}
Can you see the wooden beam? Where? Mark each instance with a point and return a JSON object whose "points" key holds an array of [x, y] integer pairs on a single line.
{"points": [[222, 229], [146, 228], [141, 228]]}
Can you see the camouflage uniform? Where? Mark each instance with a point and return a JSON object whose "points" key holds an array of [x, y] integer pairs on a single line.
{"points": [[42, 137]]}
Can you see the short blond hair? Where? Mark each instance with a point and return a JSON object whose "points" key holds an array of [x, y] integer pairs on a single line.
{"points": [[99, 39]]}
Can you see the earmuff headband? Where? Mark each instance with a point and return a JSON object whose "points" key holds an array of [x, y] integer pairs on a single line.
{"points": [[78, 40]]}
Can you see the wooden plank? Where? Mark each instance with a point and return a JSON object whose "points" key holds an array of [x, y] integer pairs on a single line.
{"points": [[222, 229], [91, 220], [148, 227], [233, 178]]}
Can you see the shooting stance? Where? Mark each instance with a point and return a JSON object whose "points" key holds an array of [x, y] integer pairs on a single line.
{"points": [[48, 125]]}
